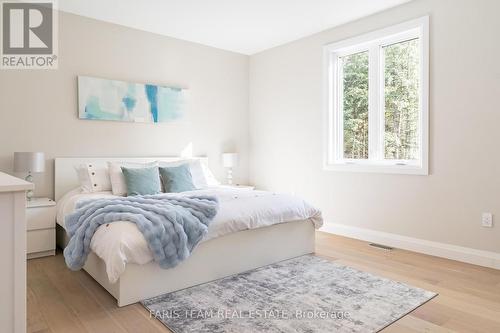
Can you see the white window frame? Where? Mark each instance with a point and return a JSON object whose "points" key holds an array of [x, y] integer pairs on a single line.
{"points": [[333, 114]]}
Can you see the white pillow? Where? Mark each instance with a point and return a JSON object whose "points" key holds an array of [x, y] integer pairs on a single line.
{"points": [[209, 176], [202, 176], [118, 184], [93, 178]]}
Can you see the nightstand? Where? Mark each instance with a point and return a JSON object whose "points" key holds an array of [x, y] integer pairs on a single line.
{"points": [[41, 227]]}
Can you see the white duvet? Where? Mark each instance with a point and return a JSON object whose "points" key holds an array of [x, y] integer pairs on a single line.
{"points": [[119, 243]]}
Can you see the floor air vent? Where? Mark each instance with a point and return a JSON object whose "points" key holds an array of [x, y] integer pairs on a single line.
{"points": [[382, 247]]}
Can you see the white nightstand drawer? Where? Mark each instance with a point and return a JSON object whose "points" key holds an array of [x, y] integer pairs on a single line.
{"points": [[41, 240], [40, 217]]}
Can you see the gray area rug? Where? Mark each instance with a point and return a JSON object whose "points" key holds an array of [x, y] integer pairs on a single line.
{"points": [[304, 294]]}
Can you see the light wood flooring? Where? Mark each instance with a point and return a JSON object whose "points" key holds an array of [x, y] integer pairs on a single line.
{"points": [[60, 300]]}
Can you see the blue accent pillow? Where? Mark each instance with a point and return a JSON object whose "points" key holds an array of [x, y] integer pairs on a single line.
{"points": [[177, 179], [142, 181]]}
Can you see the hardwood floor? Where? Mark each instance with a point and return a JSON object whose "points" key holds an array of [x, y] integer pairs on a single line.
{"points": [[60, 300]]}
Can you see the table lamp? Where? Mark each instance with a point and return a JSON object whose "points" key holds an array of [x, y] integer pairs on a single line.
{"points": [[230, 160], [30, 162]]}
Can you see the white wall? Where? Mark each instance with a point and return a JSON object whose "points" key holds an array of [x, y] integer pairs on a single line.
{"points": [[38, 108], [464, 180]]}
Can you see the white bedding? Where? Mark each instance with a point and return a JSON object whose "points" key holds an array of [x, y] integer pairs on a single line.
{"points": [[119, 243]]}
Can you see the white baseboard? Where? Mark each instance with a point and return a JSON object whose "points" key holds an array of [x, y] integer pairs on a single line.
{"points": [[454, 252]]}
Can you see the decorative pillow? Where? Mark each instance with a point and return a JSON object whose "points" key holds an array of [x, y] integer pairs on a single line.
{"points": [[177, 179], [118, 184], [93, 178], [142, 181], [201, 175]]}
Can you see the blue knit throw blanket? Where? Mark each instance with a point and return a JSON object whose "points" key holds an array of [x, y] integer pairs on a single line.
{"points": [[172, 226]]}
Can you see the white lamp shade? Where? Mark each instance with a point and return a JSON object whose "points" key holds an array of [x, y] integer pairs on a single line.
{"points": [[230, 160], [29, 162]]}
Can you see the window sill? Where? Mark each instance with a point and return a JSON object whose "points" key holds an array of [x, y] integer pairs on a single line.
{"points": [[374, 167]]}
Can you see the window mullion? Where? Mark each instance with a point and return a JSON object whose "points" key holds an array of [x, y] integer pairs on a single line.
{"points": [[381, 105], [374, 119]]}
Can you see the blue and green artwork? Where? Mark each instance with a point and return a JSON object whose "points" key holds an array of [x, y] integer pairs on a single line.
{"points": [[102, 99]]}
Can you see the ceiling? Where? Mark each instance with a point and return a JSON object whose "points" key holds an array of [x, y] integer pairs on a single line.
{"points": [[243, 26]]}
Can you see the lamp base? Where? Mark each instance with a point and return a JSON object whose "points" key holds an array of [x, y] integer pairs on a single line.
{"points": [[229, 176], [29, 193]]}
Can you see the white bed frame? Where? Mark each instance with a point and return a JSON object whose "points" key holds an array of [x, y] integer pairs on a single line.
{"points": [[211, 260]]}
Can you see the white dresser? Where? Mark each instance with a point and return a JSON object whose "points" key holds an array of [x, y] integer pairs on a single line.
{"points": [[41, 227], [13, 253]]}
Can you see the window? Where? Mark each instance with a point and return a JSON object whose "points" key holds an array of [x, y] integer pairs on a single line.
{"points": [[376, 110]]}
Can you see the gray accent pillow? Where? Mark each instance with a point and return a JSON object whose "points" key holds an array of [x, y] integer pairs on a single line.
{"points": [[142, 181], [177, 179]]}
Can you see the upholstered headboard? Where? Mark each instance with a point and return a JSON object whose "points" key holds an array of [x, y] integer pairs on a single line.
{"points": [[66, 179]]}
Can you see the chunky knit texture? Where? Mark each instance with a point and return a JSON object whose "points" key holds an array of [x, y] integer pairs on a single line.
{"points": [[172, 226]]}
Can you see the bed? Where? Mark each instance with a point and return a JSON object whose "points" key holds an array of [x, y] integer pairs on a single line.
{"points": [[226, 251]]}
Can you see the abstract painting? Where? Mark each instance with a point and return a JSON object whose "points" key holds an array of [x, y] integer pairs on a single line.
{"points": [[101, 99]]}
